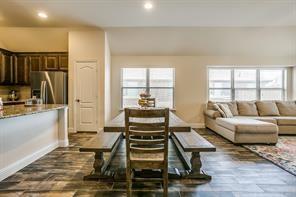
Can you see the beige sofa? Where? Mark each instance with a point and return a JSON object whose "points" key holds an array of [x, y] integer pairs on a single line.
{"points": [[252, 122]]}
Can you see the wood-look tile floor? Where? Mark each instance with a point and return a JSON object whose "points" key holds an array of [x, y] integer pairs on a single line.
{"points": [[235, 172]]}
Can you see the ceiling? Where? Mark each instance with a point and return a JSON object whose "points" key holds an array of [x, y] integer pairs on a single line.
{"points": [[130, 13], [172, 27]]}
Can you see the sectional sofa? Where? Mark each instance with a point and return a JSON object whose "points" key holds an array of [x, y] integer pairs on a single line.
{"points": [[251, 122]]}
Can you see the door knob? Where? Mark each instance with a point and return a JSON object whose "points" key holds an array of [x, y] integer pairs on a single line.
{"points": [[77, 100]]}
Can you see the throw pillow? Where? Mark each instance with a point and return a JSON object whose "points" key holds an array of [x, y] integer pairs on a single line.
{"points": [[233, 108], [217, 107], [226, 110]]}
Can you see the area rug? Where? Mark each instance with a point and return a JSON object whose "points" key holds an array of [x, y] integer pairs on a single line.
{"points": [[283, 154]]}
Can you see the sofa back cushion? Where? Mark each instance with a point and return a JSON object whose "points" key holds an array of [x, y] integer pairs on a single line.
{"points": [[286, 108], [267, 108], [247, 108]]}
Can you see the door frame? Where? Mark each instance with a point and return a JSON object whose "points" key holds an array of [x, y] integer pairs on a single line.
{"points": [[75, 91]]}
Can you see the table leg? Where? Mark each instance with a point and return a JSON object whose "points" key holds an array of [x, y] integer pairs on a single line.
{"points": [[99, 168], [196, 165]]}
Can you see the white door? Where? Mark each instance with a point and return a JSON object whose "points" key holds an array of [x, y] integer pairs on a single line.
{"points": [[86, 96]]}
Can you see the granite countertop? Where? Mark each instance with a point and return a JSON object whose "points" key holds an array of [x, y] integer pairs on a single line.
{"points": [[20, 110]]}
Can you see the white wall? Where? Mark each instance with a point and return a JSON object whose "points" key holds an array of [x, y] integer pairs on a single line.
{"points": [[87, 45], [21, 39], [191, 78]]}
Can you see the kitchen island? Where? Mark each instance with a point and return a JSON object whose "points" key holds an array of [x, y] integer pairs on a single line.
{"points": [[28, 133]]}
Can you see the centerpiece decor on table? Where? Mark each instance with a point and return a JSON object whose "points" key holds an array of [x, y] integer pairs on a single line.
{"points": [[145, 100]]}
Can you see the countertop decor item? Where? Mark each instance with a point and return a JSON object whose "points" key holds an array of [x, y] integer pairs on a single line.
{"points": [[145, 100], [33, 102], [12, 96]]}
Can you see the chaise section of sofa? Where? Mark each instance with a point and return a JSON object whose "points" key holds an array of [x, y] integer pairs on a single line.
{"points": [[252, 122]]}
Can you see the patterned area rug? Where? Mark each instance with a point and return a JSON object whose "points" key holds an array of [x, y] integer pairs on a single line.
{"points": [[283, 154]]}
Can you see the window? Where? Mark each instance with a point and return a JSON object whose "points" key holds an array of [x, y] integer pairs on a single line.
{"points": [[159, 82], [226, 84]]}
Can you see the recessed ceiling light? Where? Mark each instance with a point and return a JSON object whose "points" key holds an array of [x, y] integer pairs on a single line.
{"points": [[42, 15], [148, 5]]}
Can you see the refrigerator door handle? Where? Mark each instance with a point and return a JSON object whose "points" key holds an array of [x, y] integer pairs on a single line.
{"points": [[42, 93], [50, 87]]}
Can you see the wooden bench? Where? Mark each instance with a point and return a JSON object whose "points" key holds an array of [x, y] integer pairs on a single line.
{"points": [[195, 144], [103, 143], [175, 124]]}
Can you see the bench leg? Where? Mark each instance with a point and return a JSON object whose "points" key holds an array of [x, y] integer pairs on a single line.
{"points": [[196, 165], [99, 169]]}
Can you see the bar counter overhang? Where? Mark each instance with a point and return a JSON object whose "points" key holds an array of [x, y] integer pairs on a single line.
{"points": [[28, 133]]}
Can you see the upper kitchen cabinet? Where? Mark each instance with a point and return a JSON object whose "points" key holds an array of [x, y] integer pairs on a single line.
{"points": [[6, 68], [21, 70], [35, 62], [15, 67], [63, 62], [55, 62], [51, 62]]}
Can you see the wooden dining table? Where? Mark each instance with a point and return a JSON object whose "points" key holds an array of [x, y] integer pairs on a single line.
{"points": [[189, 144]]}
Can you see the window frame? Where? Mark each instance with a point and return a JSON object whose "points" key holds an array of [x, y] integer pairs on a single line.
{"points": [[147, 87], [258, 82]]}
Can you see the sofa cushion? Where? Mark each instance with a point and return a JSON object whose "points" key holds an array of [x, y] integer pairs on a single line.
{"points": [[247, 108], [211, 105], [212, 114], [226, 111], [286, 108], [245, 125], [267, 108], [270, 119], [233, 108], [286, 120]]}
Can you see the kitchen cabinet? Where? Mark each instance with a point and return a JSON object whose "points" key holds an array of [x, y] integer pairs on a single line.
{"points": [[15, 67], [6, 68], [21, 70], [51, 62], [63, 62], [35, 62]]}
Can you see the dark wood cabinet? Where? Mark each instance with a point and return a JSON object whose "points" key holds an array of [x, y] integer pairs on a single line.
{"points": [[35, 62], [63, 62], [21, 70], [6, 68], [51, 62], [15, 67]]}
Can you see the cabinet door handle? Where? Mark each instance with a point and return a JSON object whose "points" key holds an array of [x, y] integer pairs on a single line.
{"points": [[77, 100]]}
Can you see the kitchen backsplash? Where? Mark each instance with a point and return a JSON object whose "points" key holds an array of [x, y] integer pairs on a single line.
{"points": [[24, 92]]}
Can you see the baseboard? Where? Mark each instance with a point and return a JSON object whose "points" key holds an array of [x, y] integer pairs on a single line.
{"points": [[197, 125], [71, 130], [63, 143], [20, 164]]}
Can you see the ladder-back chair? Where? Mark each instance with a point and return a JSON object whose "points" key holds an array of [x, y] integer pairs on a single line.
{"points": [[146, 133]]}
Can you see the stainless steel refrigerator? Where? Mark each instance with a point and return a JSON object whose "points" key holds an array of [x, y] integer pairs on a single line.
{"points": [[51, 87]]}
